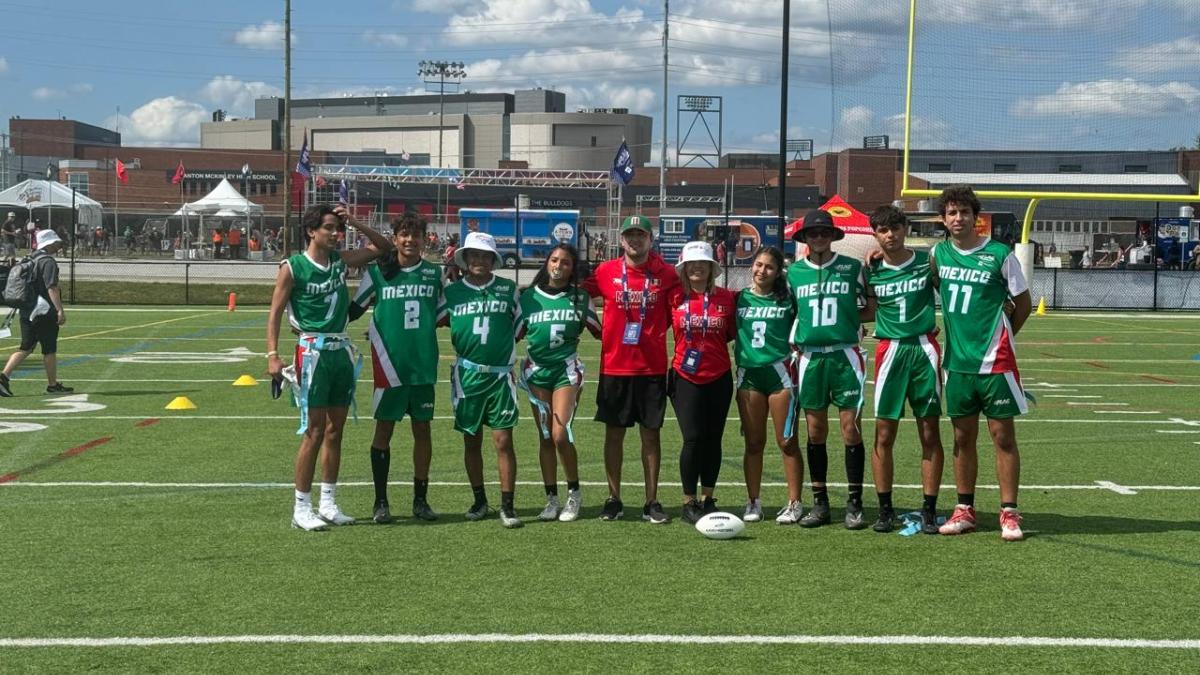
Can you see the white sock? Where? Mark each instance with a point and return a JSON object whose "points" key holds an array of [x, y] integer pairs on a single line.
{"points": [[303, 501], [327, 490]]}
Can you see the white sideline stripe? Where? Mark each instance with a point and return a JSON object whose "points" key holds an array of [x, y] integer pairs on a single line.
{"points": [[1065, 395], [1126, 412], [1098, 485], [1091, 402], [1174, 431], [733, 418], [610, 638]]}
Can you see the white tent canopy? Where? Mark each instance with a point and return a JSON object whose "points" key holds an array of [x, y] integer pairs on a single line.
{"points": [[40, 194], [224, 201]]}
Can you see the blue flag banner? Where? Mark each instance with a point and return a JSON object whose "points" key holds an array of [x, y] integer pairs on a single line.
{"points": [[304, 166], [622, 168], [343, 193]]}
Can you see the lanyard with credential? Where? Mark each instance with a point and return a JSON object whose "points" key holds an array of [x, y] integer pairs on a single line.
{"points": [[625, 292], [687, 319]]}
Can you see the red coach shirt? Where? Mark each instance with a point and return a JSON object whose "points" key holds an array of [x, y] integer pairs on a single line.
{"points": [[713, 342], [649, 356]]}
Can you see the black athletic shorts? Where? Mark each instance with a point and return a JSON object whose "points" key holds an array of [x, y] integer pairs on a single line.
{"points": [[42, 330], [626, 400]]}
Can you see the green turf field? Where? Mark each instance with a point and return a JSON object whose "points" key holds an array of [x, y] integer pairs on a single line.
{"points": [[125, 520]]}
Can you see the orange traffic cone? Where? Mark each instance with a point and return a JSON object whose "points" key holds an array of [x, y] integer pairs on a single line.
{"points": [[232, 301]]}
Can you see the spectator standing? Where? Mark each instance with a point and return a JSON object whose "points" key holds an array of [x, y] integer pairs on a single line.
{"points": [[8, 236], [217, 241], [1085, 261], [235, 243], [40, 323]]}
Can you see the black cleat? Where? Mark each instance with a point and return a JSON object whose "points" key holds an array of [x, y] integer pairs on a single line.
{"points": [[381, 514], [613, 509], [692, 512], [929, 523], [653, 513], [423, 511], [886, 521], [854, 515], [59, 388], [817, 516], [709, 505], [5, 386]]}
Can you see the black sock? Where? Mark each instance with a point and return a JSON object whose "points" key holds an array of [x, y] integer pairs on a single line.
{"points": [[966, 499], [930, 503], [820, 496], [885, 501], [573, 485], [1008, 505], [506, 500], [381, 460], [856, 460], [420, 488], [551, 489], [818, 462], [480, 495]]}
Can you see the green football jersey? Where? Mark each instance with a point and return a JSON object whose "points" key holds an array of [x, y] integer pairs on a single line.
{"points": [[553, 323], [764, 325], [973, 286], [827, 298], [904, 294], [403, 331], [482, 320], [320, 299]]}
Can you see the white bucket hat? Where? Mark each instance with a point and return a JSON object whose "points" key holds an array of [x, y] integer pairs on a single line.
{"points": [[46, 237], [479, 241], [697, 251]]}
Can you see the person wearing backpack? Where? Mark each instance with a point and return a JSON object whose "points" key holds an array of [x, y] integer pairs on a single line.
{"points": [[41, 319]]}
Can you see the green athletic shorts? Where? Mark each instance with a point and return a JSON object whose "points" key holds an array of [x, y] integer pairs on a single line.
{"points": [[907, 369], [482, 399], [550, 378], [766, 379], [332, 383], [414, 400], [996, 395], [831, 377]]}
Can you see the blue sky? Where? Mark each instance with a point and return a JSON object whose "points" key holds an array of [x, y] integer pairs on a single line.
{"points": [[1048, 74]]}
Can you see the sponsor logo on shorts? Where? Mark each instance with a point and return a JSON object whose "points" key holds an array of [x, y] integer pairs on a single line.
{"points": [[426, 406], [1002, 401], [850, 392]]}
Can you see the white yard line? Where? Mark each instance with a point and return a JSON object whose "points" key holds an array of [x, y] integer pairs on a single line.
{"points": [[165, 416], [1127, 412], [1064, 395], [1093, 402], [611, 638], [1098, 485]]}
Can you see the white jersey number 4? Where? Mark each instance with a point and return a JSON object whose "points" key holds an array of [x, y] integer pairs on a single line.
{"points": [[481, 327]]}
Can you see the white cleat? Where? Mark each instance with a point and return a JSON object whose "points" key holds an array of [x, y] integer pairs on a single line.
{"points": [[1010, 525], [790, 514], [334, 516], [552, 509], [307, 520], [571, 509], [753, 512]]}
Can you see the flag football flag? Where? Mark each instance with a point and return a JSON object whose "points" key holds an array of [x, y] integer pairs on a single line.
{"points": [[622, 168], [304, 166]]}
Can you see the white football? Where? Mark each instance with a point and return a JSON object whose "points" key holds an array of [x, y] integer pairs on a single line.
{"points": [[720, 525]]}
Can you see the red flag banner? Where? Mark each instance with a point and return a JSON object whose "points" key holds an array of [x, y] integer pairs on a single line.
{"points": [[122, 174], [179, 171]]}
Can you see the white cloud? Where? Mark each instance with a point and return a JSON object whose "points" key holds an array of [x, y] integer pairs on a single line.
{"points": [[266, 35], [858, 121], [51, 93], [1177, 55], [1119, 98], [440, 6], [236, 96], [164, 121], [3, 66], [381, 39]]}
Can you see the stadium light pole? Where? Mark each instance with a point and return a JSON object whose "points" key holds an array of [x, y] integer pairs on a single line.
{"points": [[437, 72], [783, 122]]}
